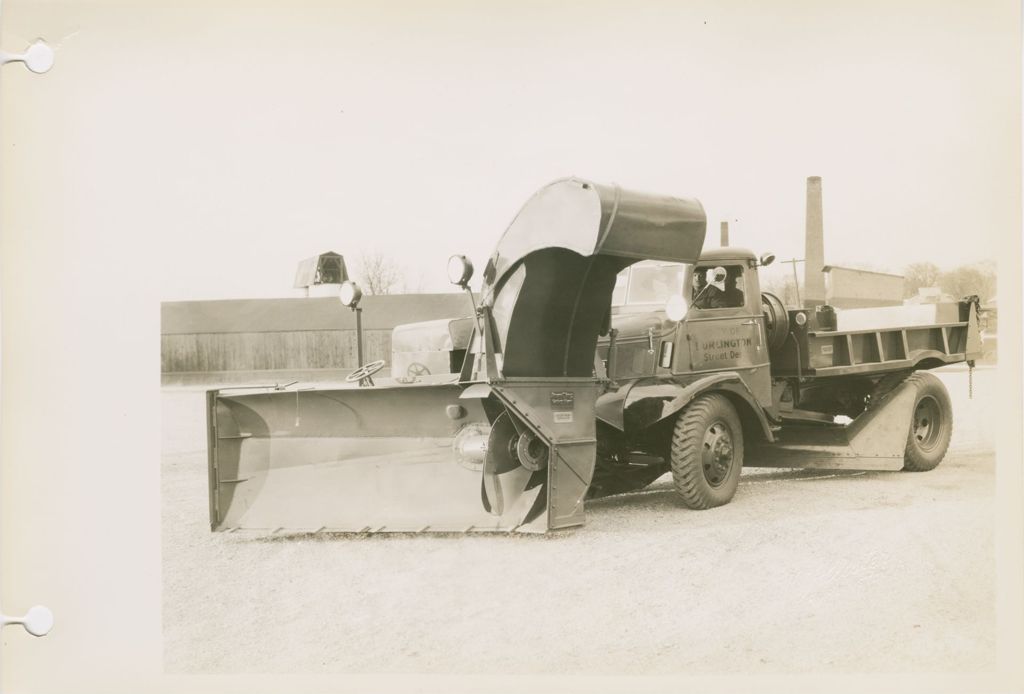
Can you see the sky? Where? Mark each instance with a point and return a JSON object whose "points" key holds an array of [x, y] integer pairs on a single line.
{"points": [[224, 142]]}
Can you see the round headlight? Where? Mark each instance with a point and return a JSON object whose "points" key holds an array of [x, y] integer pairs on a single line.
{"points": [[350, 294], [675, 308], [460, 270], [470, 445], [800, 318]]}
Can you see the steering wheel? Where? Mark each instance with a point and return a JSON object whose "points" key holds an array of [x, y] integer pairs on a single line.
{"points": [[365, 371], [417, 369]]}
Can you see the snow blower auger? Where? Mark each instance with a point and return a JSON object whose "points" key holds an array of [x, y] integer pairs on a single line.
{"points": [[507, 444]]}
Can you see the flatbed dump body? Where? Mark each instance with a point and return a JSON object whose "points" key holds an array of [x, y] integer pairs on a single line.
{"points": [[818, 350]]}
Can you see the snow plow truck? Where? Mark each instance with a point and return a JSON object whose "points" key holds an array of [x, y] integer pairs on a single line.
{"points": [[606, 348]]}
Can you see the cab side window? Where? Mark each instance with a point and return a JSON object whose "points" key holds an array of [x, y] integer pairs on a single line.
{"points": [[719, 286]]}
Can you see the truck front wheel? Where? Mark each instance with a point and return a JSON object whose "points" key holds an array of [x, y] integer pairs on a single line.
{"points": [[707, 452], [931, 426]]}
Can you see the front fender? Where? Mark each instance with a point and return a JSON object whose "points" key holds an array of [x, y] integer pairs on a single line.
{"points": [[643, 403]]}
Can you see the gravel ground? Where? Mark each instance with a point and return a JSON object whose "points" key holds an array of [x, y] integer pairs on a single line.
{"points": [[802, 573]]}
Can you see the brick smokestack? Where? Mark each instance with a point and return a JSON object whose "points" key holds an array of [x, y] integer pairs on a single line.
{"points": [[725, 234], [814, 252]]}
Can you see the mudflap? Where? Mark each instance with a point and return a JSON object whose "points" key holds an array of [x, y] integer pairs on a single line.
{"points": [[876, 440], [384, 459]]}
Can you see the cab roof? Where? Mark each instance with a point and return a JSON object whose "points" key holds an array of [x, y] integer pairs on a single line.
{"points": [[727, 253]]}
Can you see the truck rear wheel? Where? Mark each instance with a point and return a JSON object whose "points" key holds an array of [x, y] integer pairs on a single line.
{"points": [[707, 452], [931, 426]]}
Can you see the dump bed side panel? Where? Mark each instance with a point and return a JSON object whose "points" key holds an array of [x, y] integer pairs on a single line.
{"points": [[941, 334]]}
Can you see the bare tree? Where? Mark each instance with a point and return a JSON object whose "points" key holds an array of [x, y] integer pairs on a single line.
{"points": [[379, 274], [782, 287], [966, 280], [920, 275]]}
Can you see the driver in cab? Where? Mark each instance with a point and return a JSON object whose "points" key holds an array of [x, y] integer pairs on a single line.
{"points": [[717, 288]]}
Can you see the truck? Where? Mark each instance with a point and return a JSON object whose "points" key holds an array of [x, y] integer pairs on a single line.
{"points": [[606, 347]]}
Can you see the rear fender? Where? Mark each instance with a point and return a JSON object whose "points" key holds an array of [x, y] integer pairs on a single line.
{"points": [[646, 403]]}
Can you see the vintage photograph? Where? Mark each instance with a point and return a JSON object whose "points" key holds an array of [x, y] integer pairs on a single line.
{"points": [[511, 421], [564, 340]]}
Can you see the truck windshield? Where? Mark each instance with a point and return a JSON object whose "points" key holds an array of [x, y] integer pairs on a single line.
{"points": [[648, 283]]}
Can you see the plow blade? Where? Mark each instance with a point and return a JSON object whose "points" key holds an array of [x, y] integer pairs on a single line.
{"points": [[380, 459], [876, 440]]}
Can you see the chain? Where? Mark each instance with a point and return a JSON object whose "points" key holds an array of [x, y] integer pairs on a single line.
{"points": [[970, 380]]}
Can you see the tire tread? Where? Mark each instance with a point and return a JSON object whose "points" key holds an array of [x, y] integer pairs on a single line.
{"points": [[929, 384], [687, 438]]}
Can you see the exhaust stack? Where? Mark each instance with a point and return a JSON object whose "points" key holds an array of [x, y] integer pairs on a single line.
{"points": [[814, 253]]}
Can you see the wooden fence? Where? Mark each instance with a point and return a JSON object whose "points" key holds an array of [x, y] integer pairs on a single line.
{"points": [[307, 339], [259, 351]]}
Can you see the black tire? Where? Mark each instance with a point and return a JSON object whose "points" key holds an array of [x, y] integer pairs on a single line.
{"points": [[707, 452], [931, 424]]}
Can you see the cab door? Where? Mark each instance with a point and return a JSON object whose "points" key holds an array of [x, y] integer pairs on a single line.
{"points": [[725, 327], [638, 316], [635, 346]]}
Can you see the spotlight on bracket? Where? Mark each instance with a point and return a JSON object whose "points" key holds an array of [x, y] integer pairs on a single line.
{"points": [[460, 270], [350, 294]]}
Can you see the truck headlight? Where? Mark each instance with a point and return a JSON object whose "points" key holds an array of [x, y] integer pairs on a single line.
{"points": [[470, 445], [460, 270], [675, 308]]}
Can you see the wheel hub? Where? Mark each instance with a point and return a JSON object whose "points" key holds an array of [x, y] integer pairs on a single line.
{"points": [[926, 423], [717, 453]]}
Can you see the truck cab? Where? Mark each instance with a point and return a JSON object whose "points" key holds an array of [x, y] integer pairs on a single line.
{"points": [[722, 330]]}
